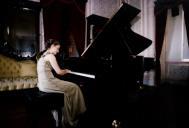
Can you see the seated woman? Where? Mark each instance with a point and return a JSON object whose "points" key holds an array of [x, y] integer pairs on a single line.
{"points": [[74, 103]]}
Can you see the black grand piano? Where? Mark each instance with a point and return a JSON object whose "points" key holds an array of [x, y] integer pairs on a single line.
{"points": [[112, 58]]}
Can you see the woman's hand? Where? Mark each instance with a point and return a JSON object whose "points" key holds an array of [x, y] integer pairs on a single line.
{"points": [[67, 71], [64, 71]]}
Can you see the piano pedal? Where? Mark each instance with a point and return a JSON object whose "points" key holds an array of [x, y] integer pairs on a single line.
{"points": [[116, 124]]}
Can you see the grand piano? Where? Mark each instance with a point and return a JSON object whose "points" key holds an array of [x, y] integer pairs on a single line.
{"points": [[113, 59]]}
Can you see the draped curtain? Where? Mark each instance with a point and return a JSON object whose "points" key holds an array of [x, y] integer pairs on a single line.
{"points": [[160, 11], [186, 16], [64, 18], [160, 24]]}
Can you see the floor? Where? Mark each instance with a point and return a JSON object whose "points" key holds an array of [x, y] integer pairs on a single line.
{"points": [[150, 107]]}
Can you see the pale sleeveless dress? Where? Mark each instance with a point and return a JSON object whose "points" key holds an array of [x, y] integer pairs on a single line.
{"points": [[74, 104]]}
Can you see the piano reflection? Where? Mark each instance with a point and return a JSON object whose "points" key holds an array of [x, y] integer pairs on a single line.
{"points": [[112, 59]]}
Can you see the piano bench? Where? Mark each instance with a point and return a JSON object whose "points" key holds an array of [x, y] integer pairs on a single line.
{"points": [[41, 103]]}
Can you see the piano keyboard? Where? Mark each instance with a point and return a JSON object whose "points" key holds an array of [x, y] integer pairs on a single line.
{"points": [[83, 74]]}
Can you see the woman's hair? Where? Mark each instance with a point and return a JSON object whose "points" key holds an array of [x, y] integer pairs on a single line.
{"points": [[48, 45], [51, 42]]}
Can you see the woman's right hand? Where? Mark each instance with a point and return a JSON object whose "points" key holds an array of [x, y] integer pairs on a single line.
{"points": [[67, 71], [64, 71]]}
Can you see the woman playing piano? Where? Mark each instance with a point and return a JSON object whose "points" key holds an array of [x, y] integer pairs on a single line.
{"points": [[74, 103]]}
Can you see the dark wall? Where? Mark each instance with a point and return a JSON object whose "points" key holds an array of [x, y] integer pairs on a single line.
{"points": [[65, 21]]}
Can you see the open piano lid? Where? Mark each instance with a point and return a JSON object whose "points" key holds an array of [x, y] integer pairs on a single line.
{"points": [[117, 31]]}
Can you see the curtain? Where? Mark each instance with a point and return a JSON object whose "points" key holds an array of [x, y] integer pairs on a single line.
{"points": [[77, 27], [63, 18], [160, 24], [186, 16], [41, 32]]}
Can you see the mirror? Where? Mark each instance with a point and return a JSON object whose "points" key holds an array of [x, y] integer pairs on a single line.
{"points": [[19, 29]]}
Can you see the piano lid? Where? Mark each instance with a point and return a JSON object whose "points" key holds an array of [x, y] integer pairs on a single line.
{"points": [[117, 31]]}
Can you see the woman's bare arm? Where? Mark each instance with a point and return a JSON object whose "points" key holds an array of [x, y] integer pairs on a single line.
{"points": [[52, 59]]}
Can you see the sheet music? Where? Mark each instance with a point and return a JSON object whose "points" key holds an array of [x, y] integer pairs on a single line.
{"points": [[83, 74]]}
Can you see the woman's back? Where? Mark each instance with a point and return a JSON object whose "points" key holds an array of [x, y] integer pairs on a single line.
{"points": [[44, 71]]}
